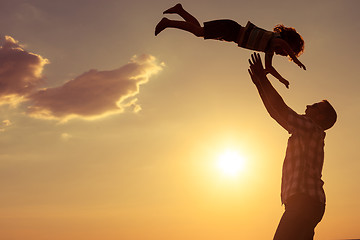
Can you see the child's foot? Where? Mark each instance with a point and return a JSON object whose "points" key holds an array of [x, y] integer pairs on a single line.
{"points": [[174, 9], [161, 26]]}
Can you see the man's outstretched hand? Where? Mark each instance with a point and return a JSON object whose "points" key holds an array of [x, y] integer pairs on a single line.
{"points": [[256, 70]]}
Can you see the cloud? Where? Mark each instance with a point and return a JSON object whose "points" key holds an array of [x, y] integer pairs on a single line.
{"points": [[66, 136], [20, 71], [95, 93], [4, 124], [91, 95]]}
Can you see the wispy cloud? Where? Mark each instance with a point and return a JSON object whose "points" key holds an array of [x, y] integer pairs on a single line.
{"points": [[94, 93], [91, 95], [66, 136], [4, 124]]}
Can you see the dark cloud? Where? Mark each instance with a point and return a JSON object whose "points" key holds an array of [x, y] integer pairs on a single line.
{"points": [[20, 71], [94, 93]]}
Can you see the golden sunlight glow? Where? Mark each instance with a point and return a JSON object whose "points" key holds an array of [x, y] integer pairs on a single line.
{"points": [[230, 162]]}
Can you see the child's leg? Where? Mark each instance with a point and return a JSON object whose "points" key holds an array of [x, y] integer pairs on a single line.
{"points": [[195, 29], [183, 13]]}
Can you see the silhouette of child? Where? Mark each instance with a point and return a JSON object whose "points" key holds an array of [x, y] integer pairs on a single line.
{"points": [[284, 41]]}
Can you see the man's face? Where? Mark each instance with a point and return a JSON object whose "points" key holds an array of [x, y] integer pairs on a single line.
{"points": [[315, 110]]}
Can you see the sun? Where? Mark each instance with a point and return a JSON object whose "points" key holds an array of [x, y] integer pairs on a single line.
{"points": [[230, 162]]}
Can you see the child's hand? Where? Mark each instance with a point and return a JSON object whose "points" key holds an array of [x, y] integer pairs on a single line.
{"points": [[284, 81], [300, 64]]}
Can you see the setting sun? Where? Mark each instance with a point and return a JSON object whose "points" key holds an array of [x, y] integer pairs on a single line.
{"points": [[230, 162]]}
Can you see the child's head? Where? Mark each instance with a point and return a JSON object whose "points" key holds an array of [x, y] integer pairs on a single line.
{"points": [[290, 35]]}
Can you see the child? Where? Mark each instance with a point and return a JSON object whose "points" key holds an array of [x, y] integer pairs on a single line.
{"points": [[283, 41]]}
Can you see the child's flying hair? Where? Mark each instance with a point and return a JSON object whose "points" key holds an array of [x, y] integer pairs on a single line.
{"points": [[293, 38]]}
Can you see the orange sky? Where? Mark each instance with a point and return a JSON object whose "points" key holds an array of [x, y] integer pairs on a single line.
{"points": [[108, 132]]}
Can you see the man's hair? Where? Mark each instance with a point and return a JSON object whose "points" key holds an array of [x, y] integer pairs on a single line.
{"points": [[330, 116]]}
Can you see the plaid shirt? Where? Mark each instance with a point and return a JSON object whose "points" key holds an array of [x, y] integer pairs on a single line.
{"points": [[304, 159]]}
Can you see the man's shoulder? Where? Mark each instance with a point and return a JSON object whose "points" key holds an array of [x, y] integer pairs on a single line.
{"points": [[302, 123]]}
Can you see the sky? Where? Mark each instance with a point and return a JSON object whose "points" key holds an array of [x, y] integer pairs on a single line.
{"points": [[108, 132]]}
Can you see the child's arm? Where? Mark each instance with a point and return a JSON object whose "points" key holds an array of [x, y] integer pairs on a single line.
{"points": [[286, 47], [270, 69]]}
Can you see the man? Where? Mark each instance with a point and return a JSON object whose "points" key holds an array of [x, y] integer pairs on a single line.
{"points": [[301, 188]]}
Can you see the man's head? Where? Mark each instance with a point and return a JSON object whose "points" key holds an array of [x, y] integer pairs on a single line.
{"points": [[322, 113]]}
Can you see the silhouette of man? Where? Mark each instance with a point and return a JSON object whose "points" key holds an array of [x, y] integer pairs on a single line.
{"points": [[301, 187]]}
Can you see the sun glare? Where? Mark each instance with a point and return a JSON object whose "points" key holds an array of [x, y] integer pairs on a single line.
{"points": [[230, 163]]}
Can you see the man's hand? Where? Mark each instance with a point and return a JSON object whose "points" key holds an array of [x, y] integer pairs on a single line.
{"points": [[256, 71], [273, 102]]}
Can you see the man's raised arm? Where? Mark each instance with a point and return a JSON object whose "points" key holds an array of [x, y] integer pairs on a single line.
{"points": [[273, 102]]}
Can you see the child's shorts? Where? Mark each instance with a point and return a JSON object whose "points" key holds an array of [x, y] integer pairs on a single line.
{"points": [[223, 30]]}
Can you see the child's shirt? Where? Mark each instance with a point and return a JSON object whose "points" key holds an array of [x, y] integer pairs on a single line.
{"points": [[255, 38]]}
